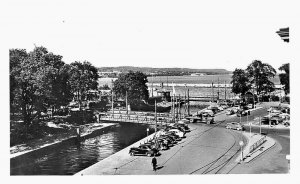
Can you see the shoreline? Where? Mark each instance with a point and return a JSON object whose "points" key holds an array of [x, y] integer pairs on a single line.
{"points": [[20, 153]]}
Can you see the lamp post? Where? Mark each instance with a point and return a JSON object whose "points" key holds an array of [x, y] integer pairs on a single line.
{"points": [[259, 125], [147, 132], [241, 144]]}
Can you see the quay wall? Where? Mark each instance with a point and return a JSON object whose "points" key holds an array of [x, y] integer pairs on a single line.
{"points": [[118, 159], [51, 146]]}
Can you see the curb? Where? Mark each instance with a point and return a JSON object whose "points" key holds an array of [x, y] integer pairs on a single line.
{"points": [[253, 158]]}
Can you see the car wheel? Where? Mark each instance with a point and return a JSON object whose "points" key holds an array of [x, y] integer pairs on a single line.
{"points": [[131, 154], [149, 154]]}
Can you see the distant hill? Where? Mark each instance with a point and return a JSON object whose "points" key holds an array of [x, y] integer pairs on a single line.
{"points": [[164, 71]]}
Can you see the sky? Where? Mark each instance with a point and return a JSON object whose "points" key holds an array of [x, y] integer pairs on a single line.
{"points": [[225, 34], [215, 34]]}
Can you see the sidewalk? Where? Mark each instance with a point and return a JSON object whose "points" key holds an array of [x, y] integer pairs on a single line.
{"points": [[251, 139]]}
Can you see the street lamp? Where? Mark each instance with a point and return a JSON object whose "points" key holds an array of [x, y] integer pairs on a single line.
{"points": [[147, 132], [241, 144]]}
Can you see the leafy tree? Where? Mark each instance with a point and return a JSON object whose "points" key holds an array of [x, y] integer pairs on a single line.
{"points": [[285, 77], [83, 77], [35, 77], [135, 85], [240, 82], [17, 56], [260, 74]]}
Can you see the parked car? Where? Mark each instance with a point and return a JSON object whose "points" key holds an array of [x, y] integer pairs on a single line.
{"points": [[250, 106], [173, 135], [230, 112], [224, 106], [166, 140], [143, 150], [184, 121], [175, 127], [177, 132], [234, 126], [241, 112], [161, 144], [182, 126]]}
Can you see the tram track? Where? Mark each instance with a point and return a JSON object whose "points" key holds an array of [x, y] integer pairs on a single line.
{"points": [[198, 135], [223, 164], [214, 161]]}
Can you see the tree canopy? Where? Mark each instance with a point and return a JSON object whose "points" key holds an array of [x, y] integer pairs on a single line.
{"points": [[135, 85], [240, 82], [37, 80], [285, 77], [40, 80], [259, 75], [83, 77]]}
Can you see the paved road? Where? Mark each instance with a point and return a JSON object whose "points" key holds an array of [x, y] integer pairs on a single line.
{"points": [[272, 161], [205, 150], [208, 149]]}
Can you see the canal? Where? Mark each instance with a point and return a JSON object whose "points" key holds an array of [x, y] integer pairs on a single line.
{"points": [[69, 157]]}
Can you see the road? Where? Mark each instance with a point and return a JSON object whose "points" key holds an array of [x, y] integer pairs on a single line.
{"points": [[272, 161], [207, 149], [201, 152]]}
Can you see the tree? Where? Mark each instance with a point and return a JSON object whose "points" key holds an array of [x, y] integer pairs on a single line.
{"points": [[83, 77], [34, 79], [260, 74], [285, 77], [134, 83], [17, 56], [240, 82]]}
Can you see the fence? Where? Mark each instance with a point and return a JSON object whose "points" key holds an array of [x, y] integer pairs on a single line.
{"points": [[257, 144], [135, 118]]}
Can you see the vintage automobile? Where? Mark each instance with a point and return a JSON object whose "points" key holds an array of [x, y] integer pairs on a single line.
{"points": [[181, 127], [159, 144], [170, 127], [234, 126], [241, 112], [230, 112], [166, 140], [173, 135], [143, 150], [169, 137]]}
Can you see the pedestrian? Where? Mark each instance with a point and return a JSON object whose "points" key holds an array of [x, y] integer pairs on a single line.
{"points": [[154, 162]]}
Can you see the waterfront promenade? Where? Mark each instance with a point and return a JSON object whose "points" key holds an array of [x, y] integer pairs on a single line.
{"points": [[207, 149], [201, 152]]}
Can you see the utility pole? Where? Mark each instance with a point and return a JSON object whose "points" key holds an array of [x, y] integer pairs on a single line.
{"points": [[259, 125], [126, 103], [167, 82], [225, 90], [218, 89], [155, 118], [152, 85], [176, 108], [112, 103], [212, 89], [112, 98], [179, 108], [188, 98]]}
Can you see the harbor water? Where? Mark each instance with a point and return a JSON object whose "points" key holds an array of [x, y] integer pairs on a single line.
{"points": [[69, 157]]}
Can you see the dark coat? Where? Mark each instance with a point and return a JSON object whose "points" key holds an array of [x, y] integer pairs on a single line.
{"points": [[154, 161]]}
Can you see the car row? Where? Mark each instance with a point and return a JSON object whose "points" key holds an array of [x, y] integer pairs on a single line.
{"points": [[164, 139]]}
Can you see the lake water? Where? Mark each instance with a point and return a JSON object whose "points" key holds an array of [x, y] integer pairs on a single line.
{"points": [[206, 79], [192, 82], [70, 158]]}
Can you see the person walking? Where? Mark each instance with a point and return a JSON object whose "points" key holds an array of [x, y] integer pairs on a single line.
{"points": [[154, 162]]}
